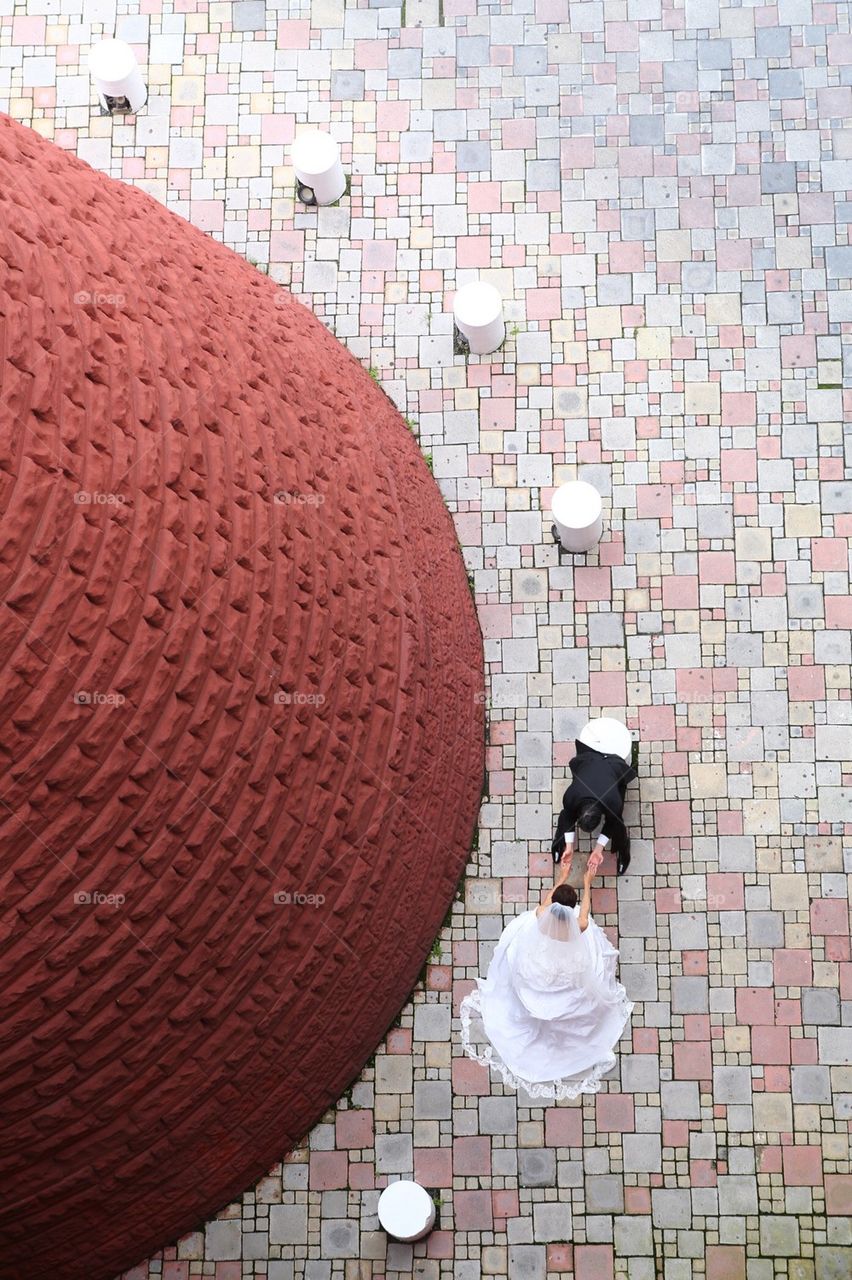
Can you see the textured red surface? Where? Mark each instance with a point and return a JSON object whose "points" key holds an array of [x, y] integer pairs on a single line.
{"points": [[160, 1053]]}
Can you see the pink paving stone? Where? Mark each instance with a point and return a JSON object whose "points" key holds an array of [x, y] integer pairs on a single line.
{"points": [[433, 1166], [702, 1173], [285, 246], [28, 30], [806, 684], [739, 466], [739, 408], [362, 1176], [614, 1113], [771, 1046], [802, 1166], [798, 351], [829, 553], [505, 1203], [838, 1194], [175, 1271], [592, 584], [470, 1077], [788, 1013], [608, 689], [473, 251], [672, 818], [560, 1258], [294, 34], [680, 592], [693, 1061], [830, 916], [675, 1134], [543, 304], [593, 1262], [278, 128], [769, 1159], [717, 566], [653, 500], [792, 968], [354, 1128], [755, 1006], [471, 1156], [328, 1170], [725, 1262], [656, 724], [725, 891], [399, 1040], [473, 1211], [838, 612], [694, 684], [563, 1127], [637, 1199]]}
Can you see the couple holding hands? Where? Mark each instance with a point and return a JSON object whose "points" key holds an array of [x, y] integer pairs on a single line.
{"points": [[548, 1015]]}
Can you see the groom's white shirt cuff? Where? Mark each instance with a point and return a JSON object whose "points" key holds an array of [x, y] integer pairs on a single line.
{"points": [[603, 841]]}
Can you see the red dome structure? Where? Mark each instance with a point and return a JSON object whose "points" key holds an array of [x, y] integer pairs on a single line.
{"points": [[242, 742]]}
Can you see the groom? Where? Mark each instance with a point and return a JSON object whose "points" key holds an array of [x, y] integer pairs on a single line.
{"points": [[595, 799]]}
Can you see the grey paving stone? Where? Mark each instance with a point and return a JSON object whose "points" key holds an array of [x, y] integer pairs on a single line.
{"points": [[642, 1153], [714, 55], [671, 1208], [811, 1084], [779, 1236], [498, 1115], [647, 131], [433, 1100], [432, 1022], [223, 1240], [248, 15], [339, 1238], [552, 1222], [394, 1153], [786, 83], [537, 1168], [732, 1084], [680, 1100], [473, 157], [605, 1194], [347, 86], [772, 42], [288, 1223], [820, 1006], [777, 176], [527, 1262]]}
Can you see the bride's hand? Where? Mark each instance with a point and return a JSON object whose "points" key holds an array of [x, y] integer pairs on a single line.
{"points": [[595, 860]]}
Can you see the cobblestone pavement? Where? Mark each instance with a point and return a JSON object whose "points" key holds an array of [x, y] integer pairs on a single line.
{"points": [[662, 193]]}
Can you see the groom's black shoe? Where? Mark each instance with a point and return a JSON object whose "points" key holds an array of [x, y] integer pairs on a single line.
{"points": [[622, 863]]}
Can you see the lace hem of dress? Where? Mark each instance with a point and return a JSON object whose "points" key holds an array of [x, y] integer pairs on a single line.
{"points": [[555, 1090]]}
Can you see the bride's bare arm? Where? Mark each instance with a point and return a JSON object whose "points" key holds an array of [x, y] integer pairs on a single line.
{"points": [[564, 872], [586, 904]]}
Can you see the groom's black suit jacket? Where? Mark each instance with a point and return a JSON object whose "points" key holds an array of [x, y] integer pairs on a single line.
{"points": [[601, 777]]}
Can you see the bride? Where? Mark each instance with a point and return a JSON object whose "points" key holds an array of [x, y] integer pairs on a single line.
{"points": [[551, 1010]]}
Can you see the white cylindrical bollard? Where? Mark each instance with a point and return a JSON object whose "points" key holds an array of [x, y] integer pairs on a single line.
{"points": [[610, 737], [316, 163], [578, 515], [406, 1211], [478, 313], [118, 80]]}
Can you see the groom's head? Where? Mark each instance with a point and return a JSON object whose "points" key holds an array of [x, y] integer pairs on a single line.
{"points": [[590, 815], [564, 896]]}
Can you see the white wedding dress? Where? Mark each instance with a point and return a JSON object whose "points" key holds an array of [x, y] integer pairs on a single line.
{"points": [[551, 1010]]}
